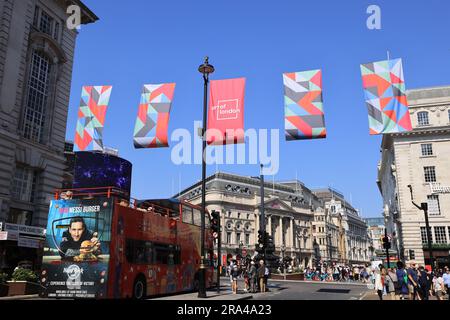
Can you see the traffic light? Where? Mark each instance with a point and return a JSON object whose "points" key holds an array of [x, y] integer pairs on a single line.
{"points": [[215, 223], [412, 255], [261, 240], [270, 246], [386, 242]]}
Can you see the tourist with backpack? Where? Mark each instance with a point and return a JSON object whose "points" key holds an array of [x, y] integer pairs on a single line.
{"points": [[402, 277], [390, 283]]}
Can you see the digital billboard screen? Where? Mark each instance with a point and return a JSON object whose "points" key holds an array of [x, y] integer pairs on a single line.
{"points": [[96, 170]]}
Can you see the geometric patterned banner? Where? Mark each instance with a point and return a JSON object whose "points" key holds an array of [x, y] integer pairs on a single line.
{"points": [[384, 88], [303, 105], [152, 121], [91, 118]]}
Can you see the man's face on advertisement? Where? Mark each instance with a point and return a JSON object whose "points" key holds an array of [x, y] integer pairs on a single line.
{"points": [[76, 230]]}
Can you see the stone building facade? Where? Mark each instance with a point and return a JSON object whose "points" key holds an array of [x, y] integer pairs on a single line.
{"points": [[308, 226], [418, 158], [289, 212], [344, 231], [36, 60]]}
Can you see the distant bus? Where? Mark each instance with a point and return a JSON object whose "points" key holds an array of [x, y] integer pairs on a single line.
{"points": [[98, 245]]}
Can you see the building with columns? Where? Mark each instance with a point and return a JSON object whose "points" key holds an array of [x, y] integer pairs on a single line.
{"points": [[342, 233], [289, 212], [419, 158], [36, 60]]}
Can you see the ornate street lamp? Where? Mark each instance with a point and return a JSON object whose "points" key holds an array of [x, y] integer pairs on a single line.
{"points": [[206, 69]]}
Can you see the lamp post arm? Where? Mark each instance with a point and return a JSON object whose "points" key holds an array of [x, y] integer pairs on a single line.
{"points": [[412, 198]]}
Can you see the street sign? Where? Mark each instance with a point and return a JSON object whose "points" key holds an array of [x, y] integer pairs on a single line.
{"points": [[3, 235], [29, 243]]}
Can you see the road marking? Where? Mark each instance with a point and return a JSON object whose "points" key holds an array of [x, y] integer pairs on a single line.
{"points": [[364, 295]]}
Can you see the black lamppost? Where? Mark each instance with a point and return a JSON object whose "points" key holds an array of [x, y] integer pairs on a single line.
{"points": [[424, 206], [283, 250], [204, 69], [262, 223]]}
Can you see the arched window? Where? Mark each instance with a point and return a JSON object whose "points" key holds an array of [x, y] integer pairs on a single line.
{"points": [[422, 118], [34, 116]]}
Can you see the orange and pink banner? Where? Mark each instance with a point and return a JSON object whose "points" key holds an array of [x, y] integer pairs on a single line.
{"points": [[226, 112]]}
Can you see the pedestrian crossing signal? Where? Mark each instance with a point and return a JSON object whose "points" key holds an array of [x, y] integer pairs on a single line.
{"points": [[215, 223]]}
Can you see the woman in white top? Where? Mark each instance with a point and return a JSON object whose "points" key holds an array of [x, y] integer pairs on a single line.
{"points": [[438, 286], [379, 283]]}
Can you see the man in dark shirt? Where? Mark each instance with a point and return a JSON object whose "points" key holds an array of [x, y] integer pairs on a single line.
{"points": [[261, 274], [424, 283], [74, 236], [413, 279]]}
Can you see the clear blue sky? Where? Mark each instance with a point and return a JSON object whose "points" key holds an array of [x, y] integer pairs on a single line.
{"points": [[141, 41]]}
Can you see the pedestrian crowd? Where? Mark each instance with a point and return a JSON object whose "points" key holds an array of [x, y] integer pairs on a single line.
{"points": [[339, 273], [254, 273], [413, 283]]}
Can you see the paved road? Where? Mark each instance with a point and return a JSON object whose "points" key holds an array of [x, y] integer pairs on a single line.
{"points": [[313, 291], [299, 290]]}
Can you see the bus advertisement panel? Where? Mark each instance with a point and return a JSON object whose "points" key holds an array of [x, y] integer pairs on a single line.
{"points": [[76, 254]]}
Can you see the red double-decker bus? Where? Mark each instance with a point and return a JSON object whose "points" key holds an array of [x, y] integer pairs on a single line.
{"points": [[99, 245]]}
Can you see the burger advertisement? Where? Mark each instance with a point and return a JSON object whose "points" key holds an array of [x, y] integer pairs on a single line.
{"points": [[76, 253]]}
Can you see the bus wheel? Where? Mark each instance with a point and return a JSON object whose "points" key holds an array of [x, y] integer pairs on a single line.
{"points": [[139, 288]]}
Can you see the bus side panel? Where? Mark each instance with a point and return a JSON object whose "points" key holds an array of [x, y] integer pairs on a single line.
{"points": [[75, 267], [116, 262]]}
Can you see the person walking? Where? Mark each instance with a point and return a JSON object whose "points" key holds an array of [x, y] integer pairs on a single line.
{"points": [[234, 276], [402, 278], [266, 278], [390, 283], [438, 286], [253, 275], [413, 279], [261, 272], [423, 284], [446, 278], [379, 282]]}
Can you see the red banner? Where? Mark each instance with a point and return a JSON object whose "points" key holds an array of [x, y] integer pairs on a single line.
{"points": [[226, 112]]}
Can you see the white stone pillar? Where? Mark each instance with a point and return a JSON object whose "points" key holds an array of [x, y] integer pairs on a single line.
{"points": [[255, 233], [270, 225], [280, 227], [291, 233]]}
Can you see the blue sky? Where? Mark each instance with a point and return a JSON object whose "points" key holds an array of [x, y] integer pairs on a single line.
{"points": [[140, 42]]}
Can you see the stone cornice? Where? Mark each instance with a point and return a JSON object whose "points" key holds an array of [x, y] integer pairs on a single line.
{"points": [[422, 131]]}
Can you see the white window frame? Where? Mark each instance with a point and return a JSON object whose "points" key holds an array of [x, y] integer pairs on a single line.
{"points": [[24, 184], [434, 208], [427, 149], [423, 235], [38, 86], [54, 24], [423, 119], [429, 173], [440, 235]]}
